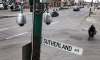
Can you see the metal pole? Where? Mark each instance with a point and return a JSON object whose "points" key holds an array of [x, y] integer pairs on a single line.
{"points": [[37, 29], [90, 10], [91, 3], [21, 6]]}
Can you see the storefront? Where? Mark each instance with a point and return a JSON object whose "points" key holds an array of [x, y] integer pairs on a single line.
{"points": [[55, 3]]}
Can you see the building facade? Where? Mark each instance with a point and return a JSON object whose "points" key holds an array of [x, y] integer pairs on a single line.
{"points": [[53, 3], [26, 3], [58, 3]]}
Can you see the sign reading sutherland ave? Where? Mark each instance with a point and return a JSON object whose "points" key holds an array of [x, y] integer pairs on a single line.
{"points": [[63, 46]]}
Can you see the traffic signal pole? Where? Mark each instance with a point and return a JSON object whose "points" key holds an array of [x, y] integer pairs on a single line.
{"points": [[37, 29]]}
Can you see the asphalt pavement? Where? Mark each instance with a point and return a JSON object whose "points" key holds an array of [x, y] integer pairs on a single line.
{"points": [[69, 27], [12, 36]]}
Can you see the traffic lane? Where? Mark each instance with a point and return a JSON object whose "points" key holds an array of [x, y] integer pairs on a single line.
{"points": [[76, 38], [80, 39], [67, 20], [66, 17], [12, 38], [9, 27], [12, 41], [92, 20], [71, 13], [64, 21], [8, 13], [12, 49], [6, 22], [14, 31], [15, 40], [68, 32]]}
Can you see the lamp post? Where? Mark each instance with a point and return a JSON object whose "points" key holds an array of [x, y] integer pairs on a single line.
{"points": [[31, 5], [37, 29]]}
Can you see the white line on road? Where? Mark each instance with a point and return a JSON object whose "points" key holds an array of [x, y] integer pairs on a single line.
{"points": [[3, 29], [16, 35], [55, 22]]}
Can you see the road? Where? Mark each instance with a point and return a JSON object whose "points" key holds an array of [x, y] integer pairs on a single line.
{"points": [[70, 28], [12, 36]]}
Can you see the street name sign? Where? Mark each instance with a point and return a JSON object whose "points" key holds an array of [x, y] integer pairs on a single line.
{"points": [[63, 46]]}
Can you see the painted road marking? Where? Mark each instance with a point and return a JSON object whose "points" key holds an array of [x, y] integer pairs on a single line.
{"points": [[91, 20], [3, 29], [63, 46], [54, 22], [16, 35]]}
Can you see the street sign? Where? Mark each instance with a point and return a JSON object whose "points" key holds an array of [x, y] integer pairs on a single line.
{"points": [[43, 1], [63, 46]]}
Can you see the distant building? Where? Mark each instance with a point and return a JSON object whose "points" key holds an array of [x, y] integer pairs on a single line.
{"points": [[26, 3], [57, 3], [52, 3]]}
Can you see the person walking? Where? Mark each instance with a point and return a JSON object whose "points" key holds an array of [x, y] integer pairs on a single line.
{"points": [[91, 31]]}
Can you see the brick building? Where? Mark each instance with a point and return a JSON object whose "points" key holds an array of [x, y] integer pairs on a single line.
{"points": [[52, 3], [26, 3], [57, 3]]}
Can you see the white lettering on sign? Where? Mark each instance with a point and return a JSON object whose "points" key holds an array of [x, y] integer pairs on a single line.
{"points": [[63, 46]]}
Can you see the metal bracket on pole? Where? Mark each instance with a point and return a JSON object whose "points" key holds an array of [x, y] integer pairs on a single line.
{"points": [[37, 29], [39, 8]]}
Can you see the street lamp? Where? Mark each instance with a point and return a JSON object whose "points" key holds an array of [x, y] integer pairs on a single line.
{"points": [[21, 19]]}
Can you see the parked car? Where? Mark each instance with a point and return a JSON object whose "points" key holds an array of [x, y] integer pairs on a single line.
{"points": [[98, 7], [54, 14], [5, 4], [15, 7], [76, 8]]}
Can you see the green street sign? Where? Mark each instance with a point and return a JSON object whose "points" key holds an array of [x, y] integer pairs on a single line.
{"points": [[43, 1]]}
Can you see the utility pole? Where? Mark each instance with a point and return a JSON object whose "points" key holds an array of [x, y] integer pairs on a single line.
{"points": [[91, 3], [37, 29], [31, 5]]}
